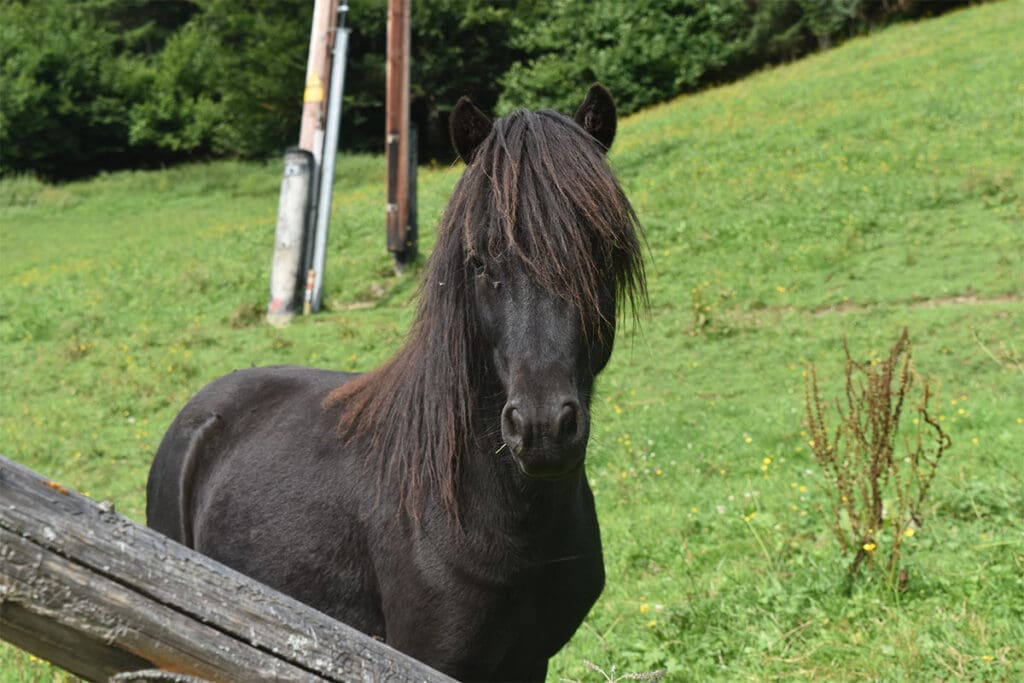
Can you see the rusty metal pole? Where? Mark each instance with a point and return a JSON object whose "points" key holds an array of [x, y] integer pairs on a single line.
{"points": [[399, 240]]}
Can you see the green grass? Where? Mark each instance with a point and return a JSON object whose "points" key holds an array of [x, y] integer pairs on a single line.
{"points": [[846, 196]]}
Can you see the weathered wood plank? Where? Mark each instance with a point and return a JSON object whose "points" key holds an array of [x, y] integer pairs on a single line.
{"points": [[124, 590], [89, 610], [90, 659]]}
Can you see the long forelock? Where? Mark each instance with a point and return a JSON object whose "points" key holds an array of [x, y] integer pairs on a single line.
{"points": [[540, 191]]}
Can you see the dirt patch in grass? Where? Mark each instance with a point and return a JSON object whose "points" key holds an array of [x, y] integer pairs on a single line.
{"points": [[937, 302]]}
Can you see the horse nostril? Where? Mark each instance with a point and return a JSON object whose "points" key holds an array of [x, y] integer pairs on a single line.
{"points": [[512, 427], [567, 424]]}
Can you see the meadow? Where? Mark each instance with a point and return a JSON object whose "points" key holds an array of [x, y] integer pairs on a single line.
{"points": [[845, 197]]}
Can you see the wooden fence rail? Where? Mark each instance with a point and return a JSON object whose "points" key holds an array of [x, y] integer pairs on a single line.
{"points": [[99, 595]]}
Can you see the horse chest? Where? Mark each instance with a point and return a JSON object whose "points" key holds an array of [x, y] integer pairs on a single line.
{"points": [[532, 595], [486, 618], [555, 599]]}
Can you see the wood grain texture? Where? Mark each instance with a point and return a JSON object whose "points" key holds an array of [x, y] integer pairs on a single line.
{"points": [[98, 594]]}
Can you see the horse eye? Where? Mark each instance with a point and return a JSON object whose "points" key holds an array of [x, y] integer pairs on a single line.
{"points": [[478, 265]]}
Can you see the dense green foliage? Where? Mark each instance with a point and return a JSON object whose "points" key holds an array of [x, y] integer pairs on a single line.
{"points": [[646, 52], [224, 82], [95, 85], [65, 103], [643, 51], [843, 197]]}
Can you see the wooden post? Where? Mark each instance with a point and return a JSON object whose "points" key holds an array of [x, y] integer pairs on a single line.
{"points": [[314, 113], [98, 594], [318, 78], [400, 241]]}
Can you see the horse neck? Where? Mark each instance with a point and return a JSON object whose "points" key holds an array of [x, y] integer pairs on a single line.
{"points": [[494, 491]]}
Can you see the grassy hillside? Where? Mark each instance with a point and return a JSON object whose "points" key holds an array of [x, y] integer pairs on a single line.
{"points": [[845, 197]]}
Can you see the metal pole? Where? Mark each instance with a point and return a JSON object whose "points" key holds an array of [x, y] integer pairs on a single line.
{"points": [[323, 221]]}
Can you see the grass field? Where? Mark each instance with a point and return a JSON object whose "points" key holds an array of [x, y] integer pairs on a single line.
{"points": [[871, 188]]}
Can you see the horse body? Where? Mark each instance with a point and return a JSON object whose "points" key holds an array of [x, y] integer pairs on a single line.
{"points": [[275, 497], [440, 502]]}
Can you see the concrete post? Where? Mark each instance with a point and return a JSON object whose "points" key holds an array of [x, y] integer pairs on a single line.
{"points": [[286, 274]]}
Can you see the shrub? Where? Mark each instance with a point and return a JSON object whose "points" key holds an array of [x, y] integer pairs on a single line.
{"points": [[876, 489]]}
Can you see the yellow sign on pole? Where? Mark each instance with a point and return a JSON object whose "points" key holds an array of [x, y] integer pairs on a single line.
{"points": [[314, 89]]}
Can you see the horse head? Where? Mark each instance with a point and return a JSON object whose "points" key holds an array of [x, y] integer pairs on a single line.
{"points": [[548, 249]]}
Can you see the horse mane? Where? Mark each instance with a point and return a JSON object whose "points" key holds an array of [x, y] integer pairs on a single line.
{"points": [[538, 190]]}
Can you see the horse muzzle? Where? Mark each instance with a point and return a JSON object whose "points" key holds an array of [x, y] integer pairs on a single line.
{"points": [[547, 439]]}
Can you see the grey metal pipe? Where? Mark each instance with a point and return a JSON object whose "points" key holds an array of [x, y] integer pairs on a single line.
{"points": [[323, 218]]}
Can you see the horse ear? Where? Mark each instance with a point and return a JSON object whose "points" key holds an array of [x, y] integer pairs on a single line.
{"points": [[597, 115], [469, 127]]}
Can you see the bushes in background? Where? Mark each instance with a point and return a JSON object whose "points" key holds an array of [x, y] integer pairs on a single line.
{"points": [[90, 85]]}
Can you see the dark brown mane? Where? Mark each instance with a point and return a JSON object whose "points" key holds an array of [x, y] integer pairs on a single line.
{"points": [[538, 192]]}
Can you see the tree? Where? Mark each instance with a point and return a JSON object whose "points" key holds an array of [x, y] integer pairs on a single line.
{"points": [[229, 82], [66, 91], [90, 85], [643, 52]]}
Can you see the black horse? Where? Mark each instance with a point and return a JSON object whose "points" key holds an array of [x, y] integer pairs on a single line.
{"points": [[440, 502]]}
